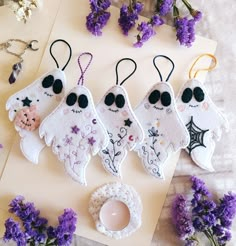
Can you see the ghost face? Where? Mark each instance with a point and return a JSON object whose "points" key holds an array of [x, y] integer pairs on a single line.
{"points": [[193, 96], [51, 86], [114, 102], [77, 101], [159, 99]]}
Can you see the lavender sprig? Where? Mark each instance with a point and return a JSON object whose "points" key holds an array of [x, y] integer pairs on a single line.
{"points": [[98, 17], [35, 230], [163, 7], [129, 15], [207, 217], [146, 30]]}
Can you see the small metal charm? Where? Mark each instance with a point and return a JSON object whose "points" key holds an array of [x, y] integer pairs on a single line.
{"points": [[17, 67]]}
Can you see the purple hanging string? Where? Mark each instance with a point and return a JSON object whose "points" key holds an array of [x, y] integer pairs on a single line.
{"points": [[81, 79]]}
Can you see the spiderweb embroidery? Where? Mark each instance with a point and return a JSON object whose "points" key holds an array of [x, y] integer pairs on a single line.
{"points": [[196, 136]]}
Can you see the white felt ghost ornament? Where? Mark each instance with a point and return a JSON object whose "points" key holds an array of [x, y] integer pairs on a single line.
{"points": [[28, 107], [79, 133], [123, 128], [163, 128], [202, 119]]}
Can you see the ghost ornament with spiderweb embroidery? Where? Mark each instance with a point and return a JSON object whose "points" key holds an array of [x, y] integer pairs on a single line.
{"points": [[79, 132], [123, 128], [164, 130], [28, 107], [203, 121]]}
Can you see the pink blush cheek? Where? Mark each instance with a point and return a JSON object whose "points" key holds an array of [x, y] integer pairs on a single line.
{"points": [[124, 113], [181, 108], [205, 106], [66, 111]]}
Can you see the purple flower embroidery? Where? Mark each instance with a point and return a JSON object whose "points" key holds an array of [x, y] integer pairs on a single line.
{"points": [[91, 141], [67, 140], [75, 129]]}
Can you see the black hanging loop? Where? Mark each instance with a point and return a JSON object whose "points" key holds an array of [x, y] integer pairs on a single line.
{"points": [[117, 77], [61, 40], [166, 57]]}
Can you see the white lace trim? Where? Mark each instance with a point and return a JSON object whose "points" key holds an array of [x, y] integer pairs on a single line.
{"points": [[125, 194]]}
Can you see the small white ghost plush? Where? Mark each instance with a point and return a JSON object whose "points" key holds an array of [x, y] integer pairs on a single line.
{"points": [[123, 128], [203, 120], [75, 132], [163, 128], [28, 107]]}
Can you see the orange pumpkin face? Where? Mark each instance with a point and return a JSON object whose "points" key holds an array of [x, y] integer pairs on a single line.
{"points": [[28, 119]]}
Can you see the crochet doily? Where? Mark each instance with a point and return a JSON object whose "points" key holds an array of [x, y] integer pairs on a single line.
{"points": [[123, 193]]}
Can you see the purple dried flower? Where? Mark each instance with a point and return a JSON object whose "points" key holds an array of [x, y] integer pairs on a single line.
{"points": [[185, 31], [164, 6], [129, 15], [96, 21], [34, 225], [146, 30], [199, 187], [181, 218], [13, 232], [197, 15], [66, 228], [96, 5]]}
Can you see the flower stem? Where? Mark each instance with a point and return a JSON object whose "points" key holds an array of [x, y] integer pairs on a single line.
{"points": [[188, 5], [210, 237]]}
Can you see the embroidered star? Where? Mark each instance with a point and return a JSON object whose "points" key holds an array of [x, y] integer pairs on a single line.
{"points": [[26, 102], [91, 141], [128, 122], [75, 129]]}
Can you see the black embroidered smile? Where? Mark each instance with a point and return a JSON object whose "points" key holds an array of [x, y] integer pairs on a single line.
{"points": [[76, 111], [193, 106], [24, 123], [113, 110], [48, 94], [158, 108]]}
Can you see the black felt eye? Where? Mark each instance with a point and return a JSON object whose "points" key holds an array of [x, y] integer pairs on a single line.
{"points": [[71, 99], [57, 86], [120, 101], [154, 97], [187, 95], [198, 94], [83, 101], [48, 81], [165, 99], [109, 99]]}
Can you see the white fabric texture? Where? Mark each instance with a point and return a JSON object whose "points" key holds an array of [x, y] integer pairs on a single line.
{"points": [[123, 193], [79, 133], [163, 128], [122, 126], [203, 120], [43, 101]]}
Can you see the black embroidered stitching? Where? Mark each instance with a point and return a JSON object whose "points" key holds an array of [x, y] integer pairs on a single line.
{"points": [[196, 136]]}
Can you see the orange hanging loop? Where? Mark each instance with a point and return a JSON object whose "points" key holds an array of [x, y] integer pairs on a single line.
{"points": [[202, 69]]}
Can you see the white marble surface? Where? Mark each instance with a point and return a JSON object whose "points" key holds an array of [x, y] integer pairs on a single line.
{"points": [[217, 24]]}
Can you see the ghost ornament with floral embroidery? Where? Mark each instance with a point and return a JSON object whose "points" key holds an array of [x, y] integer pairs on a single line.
{"points": [[28, 107], [164, 130], [122, 126], [202, 118], [79, 133]]}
